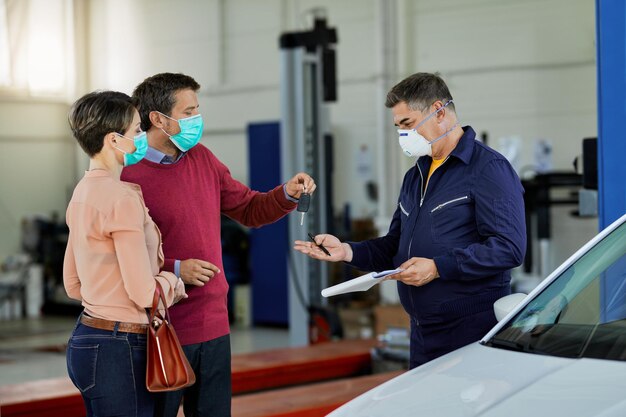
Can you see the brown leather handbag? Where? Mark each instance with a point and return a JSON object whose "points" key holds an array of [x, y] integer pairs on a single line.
{"points": [[167, 367]]}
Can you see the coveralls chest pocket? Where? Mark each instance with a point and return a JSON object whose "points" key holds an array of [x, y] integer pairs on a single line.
{"points": [[406, 206], [453, 218]]}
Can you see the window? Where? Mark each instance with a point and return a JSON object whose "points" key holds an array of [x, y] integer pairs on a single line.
{"points": [[580, 314], [36, 47]]}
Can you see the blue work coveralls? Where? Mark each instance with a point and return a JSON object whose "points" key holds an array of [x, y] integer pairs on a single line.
{"points": [[469, 219]]}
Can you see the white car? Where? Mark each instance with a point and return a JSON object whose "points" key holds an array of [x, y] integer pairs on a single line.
{"points": [[561, 351]]}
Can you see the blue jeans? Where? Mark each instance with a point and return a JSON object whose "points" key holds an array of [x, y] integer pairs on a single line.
{"points": [[210, 396], [109, 369]]}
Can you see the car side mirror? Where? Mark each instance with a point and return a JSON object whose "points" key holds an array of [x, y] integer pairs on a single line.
{"points": [[506, 304]]}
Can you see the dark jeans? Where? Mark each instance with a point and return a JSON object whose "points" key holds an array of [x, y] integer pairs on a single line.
{"points": [[210, 395], [109, 369]]}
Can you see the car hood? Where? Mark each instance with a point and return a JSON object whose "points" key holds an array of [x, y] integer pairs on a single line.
{"points": [[483, 381]]}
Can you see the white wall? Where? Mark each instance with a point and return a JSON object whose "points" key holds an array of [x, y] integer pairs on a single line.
{"points": [[518, 68], [515, 67], [36, 165]]}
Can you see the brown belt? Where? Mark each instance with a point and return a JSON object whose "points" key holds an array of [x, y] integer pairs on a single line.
{"points": [[110, 325]]}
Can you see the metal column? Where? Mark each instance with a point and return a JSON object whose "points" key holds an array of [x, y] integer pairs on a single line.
{"points": [[307, 83]]}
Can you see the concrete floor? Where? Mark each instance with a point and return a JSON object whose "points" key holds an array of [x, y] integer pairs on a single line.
{"points": [[32, 349]]}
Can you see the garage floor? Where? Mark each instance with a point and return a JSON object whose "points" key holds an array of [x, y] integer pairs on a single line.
{"points": [[32, 349]]}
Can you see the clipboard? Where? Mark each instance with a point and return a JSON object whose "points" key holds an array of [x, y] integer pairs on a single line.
{"points": [[362, 283]]}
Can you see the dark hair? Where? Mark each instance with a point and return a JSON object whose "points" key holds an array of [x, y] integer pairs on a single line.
{"points": [[96, 114], [419, 91], [157, 93]]}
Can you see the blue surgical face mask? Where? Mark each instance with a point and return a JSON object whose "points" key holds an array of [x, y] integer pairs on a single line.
{"points": [[191, 129], [141, 147]]}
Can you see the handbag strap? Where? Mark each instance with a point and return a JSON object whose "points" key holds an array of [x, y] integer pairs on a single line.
{"points": [[154, 311]]}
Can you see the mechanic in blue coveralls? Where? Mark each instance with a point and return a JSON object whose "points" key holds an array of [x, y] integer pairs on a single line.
{"points": [[458, 229]]}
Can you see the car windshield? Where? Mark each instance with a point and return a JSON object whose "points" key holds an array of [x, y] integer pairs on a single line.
{"points": [[582, 313]]}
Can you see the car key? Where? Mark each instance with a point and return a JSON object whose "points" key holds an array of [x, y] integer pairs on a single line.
{"points": [[303, 205]]}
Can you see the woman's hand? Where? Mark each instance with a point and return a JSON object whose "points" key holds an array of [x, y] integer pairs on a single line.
{"points": [[179, 291]]}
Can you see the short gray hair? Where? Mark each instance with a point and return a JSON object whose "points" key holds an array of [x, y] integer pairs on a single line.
{"points": [[419, 91]]}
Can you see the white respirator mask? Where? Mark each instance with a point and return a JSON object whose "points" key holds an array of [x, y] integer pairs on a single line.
{"points": [[413, 144]]}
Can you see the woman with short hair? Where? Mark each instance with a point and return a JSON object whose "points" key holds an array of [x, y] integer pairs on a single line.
{"points": [[112, 261]]}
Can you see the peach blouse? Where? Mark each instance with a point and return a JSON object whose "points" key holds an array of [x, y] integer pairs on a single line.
{"points": [[114, 252]]}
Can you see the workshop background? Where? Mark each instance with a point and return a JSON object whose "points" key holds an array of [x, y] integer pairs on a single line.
{"points": [[523, 74], [524, 71]]}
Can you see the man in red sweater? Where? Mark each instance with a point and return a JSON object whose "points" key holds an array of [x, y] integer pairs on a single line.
{"points": [[186, 187]]}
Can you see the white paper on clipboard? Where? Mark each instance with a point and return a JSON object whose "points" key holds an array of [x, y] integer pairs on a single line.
{"points": [[362, 283]]}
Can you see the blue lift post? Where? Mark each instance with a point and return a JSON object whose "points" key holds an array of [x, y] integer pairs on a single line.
{"points": [[269, 245], [611, 50]]}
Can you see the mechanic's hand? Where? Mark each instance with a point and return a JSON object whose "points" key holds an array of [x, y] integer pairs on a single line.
{"points": [[338, 251], [299, 183], [179, 291], [197, 272], [417, 272]]}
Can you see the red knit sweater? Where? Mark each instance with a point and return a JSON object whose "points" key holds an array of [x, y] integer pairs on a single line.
{"points": [[185, 200]]}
